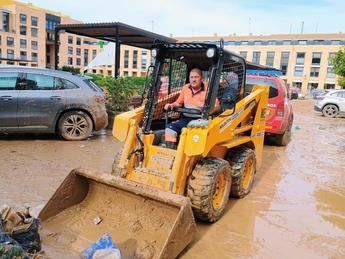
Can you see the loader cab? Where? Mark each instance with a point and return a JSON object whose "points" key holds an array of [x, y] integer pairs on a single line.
{"points": [[223, 78]]}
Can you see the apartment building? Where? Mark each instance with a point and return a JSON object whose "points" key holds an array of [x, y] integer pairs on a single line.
{"points": [[305, 59], [27, 35]]}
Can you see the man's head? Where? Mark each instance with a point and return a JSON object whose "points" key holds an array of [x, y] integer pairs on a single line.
{"points": [[195, 78]]}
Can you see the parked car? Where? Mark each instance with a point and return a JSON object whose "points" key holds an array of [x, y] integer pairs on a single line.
{"points": [[331, 104], [36, 100], [280, 117]]}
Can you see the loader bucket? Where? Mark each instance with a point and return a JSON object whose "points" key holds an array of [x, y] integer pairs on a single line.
{"points": [[143, 223]]}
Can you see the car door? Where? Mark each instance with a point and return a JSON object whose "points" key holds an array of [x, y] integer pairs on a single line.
{"points": [[341, 100], [8, 99], [40, 101]]}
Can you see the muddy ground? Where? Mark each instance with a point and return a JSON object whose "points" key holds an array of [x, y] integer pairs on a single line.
{"points": [[296, 209]]}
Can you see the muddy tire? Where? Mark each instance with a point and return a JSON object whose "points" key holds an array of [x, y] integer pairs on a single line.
{"points": [[330, 110], [209, 188], [283, 139], [114, 168], [242, 162], [75, 125]]}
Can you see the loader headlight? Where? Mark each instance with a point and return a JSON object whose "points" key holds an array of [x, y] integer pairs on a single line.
{"points": [[154, 53], [210, 52]]}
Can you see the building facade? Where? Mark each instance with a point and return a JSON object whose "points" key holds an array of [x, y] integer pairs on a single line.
{"points": [[305, 59], [27, 35]]}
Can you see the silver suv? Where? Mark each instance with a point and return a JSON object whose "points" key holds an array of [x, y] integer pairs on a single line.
{"points": [[36, 100], [331, 104]]}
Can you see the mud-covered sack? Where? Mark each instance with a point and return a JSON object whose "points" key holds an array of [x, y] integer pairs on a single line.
{"points": [[10, 251], [27, 236], [19, 229]]}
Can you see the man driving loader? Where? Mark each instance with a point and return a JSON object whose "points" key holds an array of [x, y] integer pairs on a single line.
{"points": [[192, 96]]}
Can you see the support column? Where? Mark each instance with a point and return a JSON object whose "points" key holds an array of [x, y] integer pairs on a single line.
{"points": [[117, 54]]}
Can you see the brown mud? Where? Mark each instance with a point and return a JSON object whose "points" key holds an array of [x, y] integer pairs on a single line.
{"points": [[295, 210]]}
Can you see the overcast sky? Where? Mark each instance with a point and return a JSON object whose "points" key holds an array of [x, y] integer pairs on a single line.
{"points": [[206, 17]]}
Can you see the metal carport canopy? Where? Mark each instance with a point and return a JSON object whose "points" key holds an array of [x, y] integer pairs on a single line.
{"points": [[120, 33]]}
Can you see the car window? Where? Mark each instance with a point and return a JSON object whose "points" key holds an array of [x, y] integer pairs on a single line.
{"points": [[68, 84], [93, 86], [8, 81], [39, 82], [341, 94], [250, 82]]}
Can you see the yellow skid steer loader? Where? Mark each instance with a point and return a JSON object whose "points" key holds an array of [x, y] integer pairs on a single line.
{"points": [[149, 202]]}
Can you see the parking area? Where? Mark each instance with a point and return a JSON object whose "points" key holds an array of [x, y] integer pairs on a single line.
{"points": [[296, 208]]}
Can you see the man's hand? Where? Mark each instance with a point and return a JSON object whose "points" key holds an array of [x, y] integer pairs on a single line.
{"points": [[168, 107]]}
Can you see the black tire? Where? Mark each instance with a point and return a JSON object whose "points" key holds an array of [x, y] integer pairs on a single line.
{"points": [[283, 139], [75, 125], [209, 188], [242, 177], [330, 111]]}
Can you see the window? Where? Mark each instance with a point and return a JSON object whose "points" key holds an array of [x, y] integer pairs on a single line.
{"points": [[126, 57], [271, 42], [34, 56], [244, 54], [8, 81], [34, 32], [135, 59], [94, 53], [316, 59], [10, 41], [330, 73], [284, 62], [78, 41], [335, 42], [70, 61], [329, 86], [270, 58], [250, 82], [244, 42], [22, 30], [70, 39], [23, 55], [39, 82], [6, 21], [143, 59], [78, 51], [10, 54], [256, 57], [300, 58], [298, 71], [22, 18], [69, 85], [330, 58], [257, 42], [78, 62], [22, 44], [286, 42], [34, 45], [34, 21], [314, 71], [86, 57], [70, 50], [302, 42]]}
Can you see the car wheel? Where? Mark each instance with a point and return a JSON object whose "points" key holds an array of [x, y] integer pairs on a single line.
{"points": [[330, 110], [284, 139], [75, 125]]}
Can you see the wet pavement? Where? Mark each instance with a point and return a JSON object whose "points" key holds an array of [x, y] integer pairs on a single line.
{"points": [[296, 209]]}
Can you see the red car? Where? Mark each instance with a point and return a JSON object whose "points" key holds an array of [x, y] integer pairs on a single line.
{"points": [[280, 117]]}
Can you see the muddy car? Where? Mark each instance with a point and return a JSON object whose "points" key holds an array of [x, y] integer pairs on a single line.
{"points": [[332, 104], [35, 100]]}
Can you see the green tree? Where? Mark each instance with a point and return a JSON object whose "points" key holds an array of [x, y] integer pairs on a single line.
{"points": [[339, 67]]}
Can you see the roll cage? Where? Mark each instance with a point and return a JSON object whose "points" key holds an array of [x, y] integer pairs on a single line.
{"points": [[173, 62]]}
